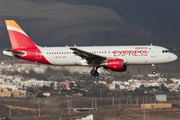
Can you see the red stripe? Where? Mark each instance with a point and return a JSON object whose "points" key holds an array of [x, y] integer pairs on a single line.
{"points": [[34, 55]]}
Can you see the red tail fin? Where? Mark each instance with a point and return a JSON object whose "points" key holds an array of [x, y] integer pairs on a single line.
{"points": [[19, 39]]}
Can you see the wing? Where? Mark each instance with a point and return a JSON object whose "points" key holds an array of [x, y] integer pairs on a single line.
{"points": [[90, 57]]}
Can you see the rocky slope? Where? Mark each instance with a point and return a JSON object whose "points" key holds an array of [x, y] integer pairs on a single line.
{"points": [[56, 23]]}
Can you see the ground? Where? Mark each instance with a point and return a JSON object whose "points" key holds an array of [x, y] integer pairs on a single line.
{"points": [[56, 108]]}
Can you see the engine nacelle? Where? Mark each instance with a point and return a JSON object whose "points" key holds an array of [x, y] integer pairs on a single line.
{"points": [[115, 65]]}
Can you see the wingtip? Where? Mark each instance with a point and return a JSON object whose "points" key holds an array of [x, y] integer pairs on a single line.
{"points": [[67, 46]]}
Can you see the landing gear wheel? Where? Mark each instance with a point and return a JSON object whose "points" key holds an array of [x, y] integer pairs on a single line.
{"points": [[94, 73], [154, 72]]}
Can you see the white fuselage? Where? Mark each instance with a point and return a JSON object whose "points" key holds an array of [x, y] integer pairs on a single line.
{"points": [[132, 55]]}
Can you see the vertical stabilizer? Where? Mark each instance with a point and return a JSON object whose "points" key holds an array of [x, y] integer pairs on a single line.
{"points": [[19, 39]]}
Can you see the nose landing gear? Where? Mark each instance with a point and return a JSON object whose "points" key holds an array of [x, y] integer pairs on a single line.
{"points": [[154, 71]]}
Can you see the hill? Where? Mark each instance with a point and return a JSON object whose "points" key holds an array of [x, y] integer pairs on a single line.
{"points": [[56, 23], [160, 17]]}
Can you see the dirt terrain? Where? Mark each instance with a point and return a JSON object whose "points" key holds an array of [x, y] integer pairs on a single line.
{"points": [[56, 108]]}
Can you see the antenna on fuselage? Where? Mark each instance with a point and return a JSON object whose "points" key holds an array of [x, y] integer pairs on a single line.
{"points": [[151, 44]]}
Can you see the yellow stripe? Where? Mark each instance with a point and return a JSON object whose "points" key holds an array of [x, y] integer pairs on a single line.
{"points": [[12, 23]]}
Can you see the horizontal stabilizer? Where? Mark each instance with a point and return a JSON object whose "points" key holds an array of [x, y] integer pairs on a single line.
{"points": [[11, 53]]}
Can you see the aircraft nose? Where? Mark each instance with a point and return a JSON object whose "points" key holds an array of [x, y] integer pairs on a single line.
{"points": [[174, 57]]}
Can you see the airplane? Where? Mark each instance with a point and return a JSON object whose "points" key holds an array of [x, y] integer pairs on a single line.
{"points": [[115, 58]]}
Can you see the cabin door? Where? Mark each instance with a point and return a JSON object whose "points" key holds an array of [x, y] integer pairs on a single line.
{"points": [[38, 54]]}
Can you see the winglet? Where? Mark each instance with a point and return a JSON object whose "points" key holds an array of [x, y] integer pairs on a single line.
{"points": [[67, 46]]}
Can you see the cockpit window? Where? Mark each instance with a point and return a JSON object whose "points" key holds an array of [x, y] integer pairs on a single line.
{"points": [[165, 51]]}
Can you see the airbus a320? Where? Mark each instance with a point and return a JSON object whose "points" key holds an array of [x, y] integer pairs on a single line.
{"points": [[115, 58]]}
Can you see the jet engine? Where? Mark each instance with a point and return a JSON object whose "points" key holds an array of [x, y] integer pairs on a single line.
{"points": [[115, 65]]}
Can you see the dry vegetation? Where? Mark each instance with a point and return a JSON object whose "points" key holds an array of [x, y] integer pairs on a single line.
{"points": [[53, 108]]}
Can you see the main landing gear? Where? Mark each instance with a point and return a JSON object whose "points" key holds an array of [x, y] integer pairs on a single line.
{"points": [[154, 71], [94, 72]]}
